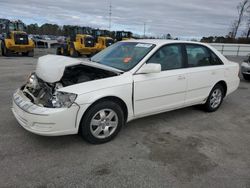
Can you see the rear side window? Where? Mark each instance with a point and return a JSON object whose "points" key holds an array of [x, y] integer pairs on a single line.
{"points": [[199, 56], [215, 60]]}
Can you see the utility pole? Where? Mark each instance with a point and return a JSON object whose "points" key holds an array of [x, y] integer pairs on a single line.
{"points": [[144, 29], [110, 15]]}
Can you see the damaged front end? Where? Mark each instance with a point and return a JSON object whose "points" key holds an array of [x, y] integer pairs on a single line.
{"points": [[45, 94], [48, 95]]}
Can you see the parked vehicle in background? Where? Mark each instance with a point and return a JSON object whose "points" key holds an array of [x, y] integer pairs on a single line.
{"points": [[123, 35], [14, 39], [245, 68], [80, 42], [128, 80], [102, 39]]}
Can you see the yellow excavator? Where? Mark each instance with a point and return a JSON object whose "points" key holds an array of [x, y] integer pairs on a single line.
{"points": [[13, 38], [80, 42], [123, 35], [102, 39]]}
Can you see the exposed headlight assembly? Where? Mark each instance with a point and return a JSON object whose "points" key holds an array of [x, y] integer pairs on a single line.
{"points": [[63, 99], [32, 81]]}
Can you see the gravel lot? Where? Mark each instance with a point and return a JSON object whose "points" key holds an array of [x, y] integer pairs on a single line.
{"points": [[182, 148]]}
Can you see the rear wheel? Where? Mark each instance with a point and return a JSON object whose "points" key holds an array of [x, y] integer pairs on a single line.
{"points": [[73, 52], [63, 50], [88, 55], [102, 122], [31, 53], [214, 99], [5, 51], [246, 77], [25, 53], [59, 51]]}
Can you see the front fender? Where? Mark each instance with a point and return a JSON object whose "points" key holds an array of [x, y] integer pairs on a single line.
{"points": [[123, 92]]}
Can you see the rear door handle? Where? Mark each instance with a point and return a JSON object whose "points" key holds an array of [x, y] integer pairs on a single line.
{"points": [[213, 72]]}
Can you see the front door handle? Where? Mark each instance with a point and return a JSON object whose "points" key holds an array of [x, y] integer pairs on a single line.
{"points": [[181, 77]]}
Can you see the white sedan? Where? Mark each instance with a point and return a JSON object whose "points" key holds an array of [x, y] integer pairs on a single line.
{"points": [[128, 80]]}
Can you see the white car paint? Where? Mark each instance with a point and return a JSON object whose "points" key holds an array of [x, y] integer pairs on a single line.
{"points": [[143, 94], [50, 68]]}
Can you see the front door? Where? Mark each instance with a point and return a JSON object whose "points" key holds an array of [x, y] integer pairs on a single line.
{"points": [[158, 92]]}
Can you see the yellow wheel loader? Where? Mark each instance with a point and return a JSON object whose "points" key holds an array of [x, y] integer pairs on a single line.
{"points": [[123, 35], [80, 42], [13, 39], [102, 39]]}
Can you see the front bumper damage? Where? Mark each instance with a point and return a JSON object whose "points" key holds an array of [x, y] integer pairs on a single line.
{"points": [[42, 120]]}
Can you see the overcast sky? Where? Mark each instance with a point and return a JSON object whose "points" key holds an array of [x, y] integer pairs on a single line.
{"points": [[178, 17]]}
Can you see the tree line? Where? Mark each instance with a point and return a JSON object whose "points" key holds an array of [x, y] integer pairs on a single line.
{"points": [[234, 35], [50, 29], [243, 17]]}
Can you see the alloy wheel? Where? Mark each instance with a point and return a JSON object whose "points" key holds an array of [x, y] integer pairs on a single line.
{"points": [[104, 123], [216, 98]]}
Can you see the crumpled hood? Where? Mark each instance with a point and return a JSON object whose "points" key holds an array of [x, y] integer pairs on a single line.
{"points": [[50, 68]]}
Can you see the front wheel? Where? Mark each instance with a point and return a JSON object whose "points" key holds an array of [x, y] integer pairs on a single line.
{"points": [[214, 99], [102, 122]]}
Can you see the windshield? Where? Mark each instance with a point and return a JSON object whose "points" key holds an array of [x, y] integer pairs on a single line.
{"points": [[12, 27], [16, 26], [123, 55]]}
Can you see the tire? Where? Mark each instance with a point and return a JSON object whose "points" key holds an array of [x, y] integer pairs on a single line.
{"points": [[31, 53], [25, 53], [5, 51], [59, 51], [73, 52], [63, 50], [28, 54], [2, 52], [88, 55], [96, 122], [246, 77], [214, 99]]}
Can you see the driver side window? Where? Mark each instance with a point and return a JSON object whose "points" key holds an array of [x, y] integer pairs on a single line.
{"points": [[169, 56]]}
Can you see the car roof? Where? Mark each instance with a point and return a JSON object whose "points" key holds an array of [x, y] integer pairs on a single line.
{"points": [[162, 41]]}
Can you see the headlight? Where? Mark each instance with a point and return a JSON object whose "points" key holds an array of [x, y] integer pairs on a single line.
{"points": [[32, 81], [63, 99]]}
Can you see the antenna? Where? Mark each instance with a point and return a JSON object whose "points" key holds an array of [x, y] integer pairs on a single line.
{"points": [[110, 15]]}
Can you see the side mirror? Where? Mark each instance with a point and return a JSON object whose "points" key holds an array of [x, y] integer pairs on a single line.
{"points": [[149, 68]]}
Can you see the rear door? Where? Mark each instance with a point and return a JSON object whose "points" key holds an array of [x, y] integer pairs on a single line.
{"points": [[204, 71]]}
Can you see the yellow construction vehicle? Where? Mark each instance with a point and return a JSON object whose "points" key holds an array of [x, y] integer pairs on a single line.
{"points": [[102, 39], [123, 35], [79, 42], [14, 39]]}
